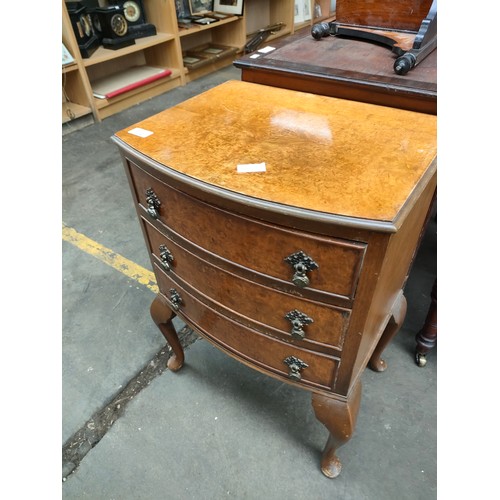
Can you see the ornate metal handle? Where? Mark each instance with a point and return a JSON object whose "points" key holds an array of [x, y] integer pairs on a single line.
{"points": [[301, 263], [175, 299], [295, 365], [166, 257], [299, 320], [153, 203]]}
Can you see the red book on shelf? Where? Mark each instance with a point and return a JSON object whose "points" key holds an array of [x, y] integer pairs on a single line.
{"points": [[126, 80]]}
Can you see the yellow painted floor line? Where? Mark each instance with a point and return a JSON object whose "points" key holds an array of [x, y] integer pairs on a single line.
{"points": [[116, 261]]}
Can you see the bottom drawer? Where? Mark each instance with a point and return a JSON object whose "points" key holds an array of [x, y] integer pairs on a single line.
{"points": [[249, 345]]}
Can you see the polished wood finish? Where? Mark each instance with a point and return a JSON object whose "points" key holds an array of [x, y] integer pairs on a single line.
{"points": [[344, 68], [162, 316], [398, 314], [369, 171], [349, 184], [339, 417], [396, 14]]}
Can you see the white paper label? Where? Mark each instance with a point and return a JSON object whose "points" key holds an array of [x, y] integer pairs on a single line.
{"points": [[251, 167], [140, 132], [254, 56], [267, 49]]}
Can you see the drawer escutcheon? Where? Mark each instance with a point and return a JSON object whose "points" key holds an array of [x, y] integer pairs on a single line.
{"points": [[166, 257], [301, 263], [295, 365], [175, 299], [153, 203], [299, 320]]}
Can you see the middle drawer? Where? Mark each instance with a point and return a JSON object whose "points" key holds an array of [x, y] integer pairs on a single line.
{"points": [[267, 310]]}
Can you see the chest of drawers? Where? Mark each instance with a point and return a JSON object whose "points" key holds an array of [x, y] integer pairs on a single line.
{"points": [[298, 269]]}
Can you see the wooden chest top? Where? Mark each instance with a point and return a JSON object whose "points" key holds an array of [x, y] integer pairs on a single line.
{"points": [[320, 153]]}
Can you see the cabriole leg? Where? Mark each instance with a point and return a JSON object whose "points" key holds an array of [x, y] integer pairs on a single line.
{"points": [[395, 322], [162, 315], [339, 417]]}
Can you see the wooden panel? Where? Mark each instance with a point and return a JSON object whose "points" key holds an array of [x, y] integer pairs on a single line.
{"points": [[396, 14], [394, 274], [253, 244], [262, 351], [257, 306]]}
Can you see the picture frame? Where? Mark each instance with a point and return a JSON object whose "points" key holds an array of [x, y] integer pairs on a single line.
{"points": [[298, 16], [182, 9], [302, 11], [201, 6], [307, 10], [234, 7]]}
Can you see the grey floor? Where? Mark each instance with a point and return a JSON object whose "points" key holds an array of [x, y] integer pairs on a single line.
{"points": [[217, 429]]}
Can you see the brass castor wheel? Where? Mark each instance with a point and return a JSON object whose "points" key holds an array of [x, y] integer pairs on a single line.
{"points": [[420, 359]]}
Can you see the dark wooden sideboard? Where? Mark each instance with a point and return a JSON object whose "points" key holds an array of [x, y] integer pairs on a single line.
{"points": [[281, 226], [345, 68]]}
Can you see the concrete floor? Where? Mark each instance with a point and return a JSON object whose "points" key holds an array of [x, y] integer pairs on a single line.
{"points": [[217, 429]]}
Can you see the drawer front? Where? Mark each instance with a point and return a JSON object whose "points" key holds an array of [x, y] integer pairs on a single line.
{"points": [[248, 345], [269, 311], [273, 251]]}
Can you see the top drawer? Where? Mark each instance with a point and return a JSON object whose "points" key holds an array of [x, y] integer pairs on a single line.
{"points": [[298, 260]]}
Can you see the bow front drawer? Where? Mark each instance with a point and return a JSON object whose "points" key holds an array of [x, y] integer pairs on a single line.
{"points": [[279, 358], [269, 311], [302, 262]]}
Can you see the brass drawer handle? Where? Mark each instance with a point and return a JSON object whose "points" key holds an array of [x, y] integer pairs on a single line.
{"points": [[153, 203], [166, 257], [301, 264], [175, 299], [299, 320], [295, 365]]}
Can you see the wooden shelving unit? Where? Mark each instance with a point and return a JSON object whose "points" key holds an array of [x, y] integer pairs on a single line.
{"points": [[229, 32], [165, 50], [76, 95]]}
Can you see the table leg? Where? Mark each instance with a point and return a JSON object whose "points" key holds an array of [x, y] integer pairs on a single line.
{"points": [[339, 417], [395, 322], [162, 315], [426, 338]]}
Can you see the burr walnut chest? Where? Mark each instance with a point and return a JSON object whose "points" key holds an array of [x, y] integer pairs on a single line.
{"points": [[281, 227]]}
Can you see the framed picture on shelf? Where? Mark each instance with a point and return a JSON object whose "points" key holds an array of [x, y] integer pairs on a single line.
{"points": [[298, 16], [229, 7], [182, 9], [302, 11], [307, 10], [201, 6]]}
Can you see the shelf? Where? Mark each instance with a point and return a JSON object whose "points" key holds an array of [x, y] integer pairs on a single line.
{"points": [[208, 68], [71, 111], [197, 29], [103, 55], [68, 68], [124, 81], [108, 107]]}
